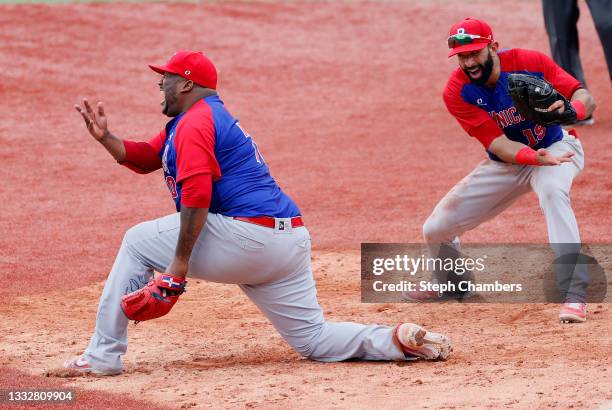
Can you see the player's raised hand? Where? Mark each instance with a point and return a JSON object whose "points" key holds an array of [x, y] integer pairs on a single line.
{"points": [[94, 121], [546, 158]]}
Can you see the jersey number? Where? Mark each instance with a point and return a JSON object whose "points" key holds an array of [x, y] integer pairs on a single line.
{"points": [[534, 139], [171, 186], [258, 157]]}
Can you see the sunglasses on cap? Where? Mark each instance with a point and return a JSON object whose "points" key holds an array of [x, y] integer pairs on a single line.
{"points": [[461, 39]]}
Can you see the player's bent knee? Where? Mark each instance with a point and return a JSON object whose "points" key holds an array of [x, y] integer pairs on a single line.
{"points": [[310, 343], [436, 230], [429, 229], [131, 234], [311, 352], [552, 195], [137, 232], [305, 351]]}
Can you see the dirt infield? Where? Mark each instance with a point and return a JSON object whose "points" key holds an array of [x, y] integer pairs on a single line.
{"points": [[225, 354], [344, 99]]}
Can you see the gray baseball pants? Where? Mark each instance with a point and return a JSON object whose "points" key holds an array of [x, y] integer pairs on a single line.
{"points": [[271, 267], [493, 186]]}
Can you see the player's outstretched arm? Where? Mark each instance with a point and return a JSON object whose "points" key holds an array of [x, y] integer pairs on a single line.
{"points": [[517, 153], [97, 125]]}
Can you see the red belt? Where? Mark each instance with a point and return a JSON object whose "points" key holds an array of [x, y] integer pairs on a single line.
{"points": [[268, 221]]}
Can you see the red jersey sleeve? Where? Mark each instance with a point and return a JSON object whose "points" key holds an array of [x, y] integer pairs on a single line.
{"points": [[195, 146], [197, 191], [538, 62], [475, 121], [158, 141], [143, 157]]}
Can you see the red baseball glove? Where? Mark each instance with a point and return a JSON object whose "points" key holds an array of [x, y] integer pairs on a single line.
{"points": [[155, 299]]}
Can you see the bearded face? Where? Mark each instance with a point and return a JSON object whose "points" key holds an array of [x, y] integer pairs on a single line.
{"points": [[168, 87], [478, 67]]}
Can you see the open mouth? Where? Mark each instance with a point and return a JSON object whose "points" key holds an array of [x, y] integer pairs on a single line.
{"points": [[474, 72]]}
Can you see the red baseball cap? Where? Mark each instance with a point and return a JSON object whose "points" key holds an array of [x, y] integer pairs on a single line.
{"points": [[192, 65], [469, 35]]}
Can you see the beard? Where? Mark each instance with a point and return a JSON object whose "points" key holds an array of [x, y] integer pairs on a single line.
{"points": [[485, 71], [168, 106]]}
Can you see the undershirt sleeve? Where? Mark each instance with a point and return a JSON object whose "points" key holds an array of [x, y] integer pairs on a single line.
{"points": [[143, 157], [197, 191]]}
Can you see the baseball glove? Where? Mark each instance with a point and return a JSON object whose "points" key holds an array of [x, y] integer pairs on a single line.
{"points": [[532, 96], [155, 299]]}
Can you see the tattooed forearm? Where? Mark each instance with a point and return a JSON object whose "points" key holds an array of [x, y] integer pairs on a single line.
{"points": [[192, 221]]}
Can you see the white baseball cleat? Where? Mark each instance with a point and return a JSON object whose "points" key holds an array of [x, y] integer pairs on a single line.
{"points": [[80, 364], [418, 342], [573, 313]]}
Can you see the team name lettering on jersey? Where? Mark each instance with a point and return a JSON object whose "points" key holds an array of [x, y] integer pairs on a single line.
{"points": [[507, 117]]}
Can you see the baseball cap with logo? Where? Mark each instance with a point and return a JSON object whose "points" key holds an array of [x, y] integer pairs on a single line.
{"points": [[192, 65], [469, 35]]}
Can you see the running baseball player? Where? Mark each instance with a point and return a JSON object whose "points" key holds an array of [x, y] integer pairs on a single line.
{"points": [[493, 95], [233, 225]]}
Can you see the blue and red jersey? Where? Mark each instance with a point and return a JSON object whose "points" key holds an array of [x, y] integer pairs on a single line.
{"points": [[207, 140], [486, 113]]}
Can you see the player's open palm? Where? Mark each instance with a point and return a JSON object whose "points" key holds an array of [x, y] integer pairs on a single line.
{"points": [[546, 158], [95, 121]]}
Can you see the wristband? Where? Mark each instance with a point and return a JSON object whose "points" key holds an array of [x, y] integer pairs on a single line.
{"points": [[527, 156], [580, 110]]}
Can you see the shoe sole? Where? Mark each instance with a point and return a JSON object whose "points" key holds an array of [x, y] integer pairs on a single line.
{"points": [[69, 365], [91, 371], [439, 340], [423, 337], [569, 318]]}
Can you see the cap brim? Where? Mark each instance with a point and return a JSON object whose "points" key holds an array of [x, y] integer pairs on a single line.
{"points": [[467, 47], [161, 69]]}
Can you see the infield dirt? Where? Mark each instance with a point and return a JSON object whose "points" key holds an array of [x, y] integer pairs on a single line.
{"points": [[344, 100]]}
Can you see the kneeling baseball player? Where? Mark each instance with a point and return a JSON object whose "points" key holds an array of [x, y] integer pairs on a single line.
{"points": [[513, 102], [234, 225]]}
